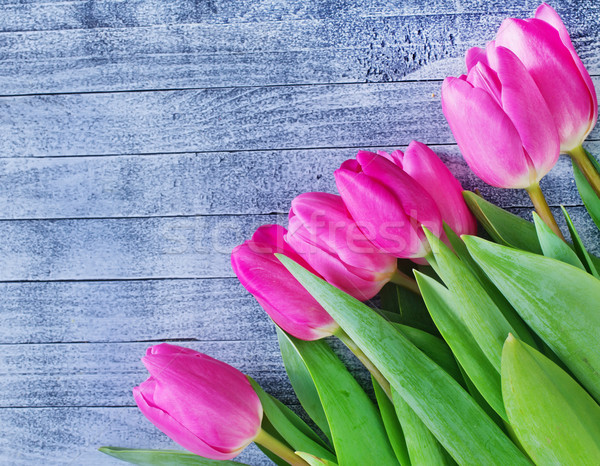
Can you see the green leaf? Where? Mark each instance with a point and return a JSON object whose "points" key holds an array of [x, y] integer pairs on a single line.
{"points": [[556, 420], [447, 315], [553, 246], [302, 383], [162, 457], [587, 193], [447, 410], [504, 227], [392, 425], [359, 436], [407, 306], [435, 348], [294, 430], [558, 301], [312, 460], [477, 310], [503, 305], [478, 397], [579, 247], [423, 447]]}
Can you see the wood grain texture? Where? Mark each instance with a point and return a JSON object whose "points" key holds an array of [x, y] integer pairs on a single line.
{"points": [[103, 374], [195, 247], [119, 203], [138, 310], [70, 436], [115, 45], [238, 119], [260, 182], [101, 249]]}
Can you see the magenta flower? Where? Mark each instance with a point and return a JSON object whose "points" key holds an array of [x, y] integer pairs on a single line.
{"points": [[322, 231], [544, 47], [424, 166], [500, 120], [205, 405], [388, 205], [277, 291]]}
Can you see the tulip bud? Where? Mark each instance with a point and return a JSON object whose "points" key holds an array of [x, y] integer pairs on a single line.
{"points": [[322, 231], [424, 166], [277, 291], [544, 47], [501, 121], [388, 205], [205, 405]]}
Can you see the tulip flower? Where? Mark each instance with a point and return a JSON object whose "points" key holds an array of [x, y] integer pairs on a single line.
{"points": [[205, 405], [277, 291], [388, 205], [544, 47], [424, 166], [503, 125], [322, 231]]}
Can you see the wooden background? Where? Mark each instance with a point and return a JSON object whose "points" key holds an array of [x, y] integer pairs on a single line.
{"points": [[141, 140]]}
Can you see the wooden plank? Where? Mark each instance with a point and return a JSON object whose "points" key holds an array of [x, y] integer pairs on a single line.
{"points": [[97, 249], [119, 311], [360, 115], [103, 374], [236, 183], [44, 15], [195, 247], [67, 435], [108, 46]]}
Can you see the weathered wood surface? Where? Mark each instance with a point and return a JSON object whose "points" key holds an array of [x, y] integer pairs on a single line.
{"points": [[115, 45], [141, 140], [182, 185], [231, 119]]}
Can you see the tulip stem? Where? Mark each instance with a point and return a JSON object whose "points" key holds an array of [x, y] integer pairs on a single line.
{"points": [[542, 208], [403, 280], [362, 357], [581, 159], [279, 448]]}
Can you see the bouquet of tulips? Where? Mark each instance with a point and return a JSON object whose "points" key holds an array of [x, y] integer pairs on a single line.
{"points": [[490, 355]]}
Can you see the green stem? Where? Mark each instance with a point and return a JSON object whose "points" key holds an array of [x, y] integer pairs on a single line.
{"points": [[542, 208], [581, 159], [362, 357], [403, 280], [281, 450]]}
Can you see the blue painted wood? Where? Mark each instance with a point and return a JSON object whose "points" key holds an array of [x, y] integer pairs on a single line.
{"points": [[140, 140]]}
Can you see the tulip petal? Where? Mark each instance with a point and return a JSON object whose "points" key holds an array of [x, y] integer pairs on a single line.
{"points": [[415, 201], [282, 297], [525, 106], [546, 13], [540, 48], [336, 273], [379, 214], [486, 136], [322, 220], [143, 396], [193, 388], [475, 55], [423, 165]]}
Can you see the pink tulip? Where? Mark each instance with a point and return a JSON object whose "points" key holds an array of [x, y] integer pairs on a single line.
{"points": [[501, 121], [388, 205], [544, 47], [322, 231], [277, 291], [424, 166], [205, 405]]}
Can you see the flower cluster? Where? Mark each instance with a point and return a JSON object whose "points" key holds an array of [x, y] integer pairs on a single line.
{"points": [[507, 318], [352, 240]]}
